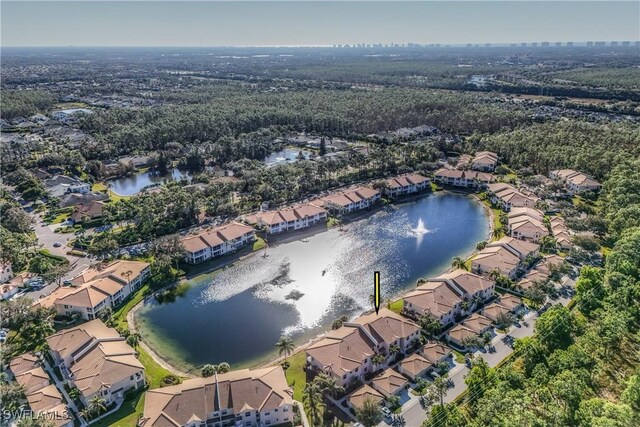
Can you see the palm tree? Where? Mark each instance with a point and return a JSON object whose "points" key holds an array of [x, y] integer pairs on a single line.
{"points": [[328, 385], [312, 401], [74, 393], [440, 386], [430, 324], [85, 413], [458, 263], [370, 413], [398, 421], [97, 405], [495, 274], [477, 300], [497, 233], [223, 368], [377, 359], [208, 370], [465, 305], [481, 245], [134, 339], [394, 350], [285, 345]]}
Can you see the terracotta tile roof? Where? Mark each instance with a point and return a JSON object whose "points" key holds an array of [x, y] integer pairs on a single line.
{"points": [[387, 326], [415, 364], [389, 382], [493, 310], [460, 332], [44, 399], [468, 282], [437, 298], [68, 341], [406, 180], [509, 301], [342, 350], [260, 389], [23, 363], [435, 352], [33, 380], [215, 236], [364, 393], [477, 323]]}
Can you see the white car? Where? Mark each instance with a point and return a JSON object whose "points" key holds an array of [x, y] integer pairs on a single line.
{"points": [[386, 412]]}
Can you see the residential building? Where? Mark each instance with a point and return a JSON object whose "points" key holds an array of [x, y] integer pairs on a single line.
{"points": [[463, 178], [98, 288], [405, 184], [541, 272], [87, 212], [23, 363], [464, 161], [414, 366], [389, 382], [527, 224], [251, 398], [485, 161], [494, 310], [217, 241], [293, 218], [48, 403], [506, 255], [60, 185], [474, 325], [560, 233], [507, 196], [347, 352], [350, 200], [442, 297], [435, 352], [33, 380], [511, 302], [97, 360], [575, 182], [366, 392]]}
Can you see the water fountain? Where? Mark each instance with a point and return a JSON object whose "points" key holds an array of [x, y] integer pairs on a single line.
{"points": [[420, 231]]}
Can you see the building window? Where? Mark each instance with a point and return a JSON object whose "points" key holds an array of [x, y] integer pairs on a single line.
{"points": [[247, 414]]}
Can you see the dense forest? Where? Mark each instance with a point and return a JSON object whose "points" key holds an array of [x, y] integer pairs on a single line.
{"points": [[580, 367]]}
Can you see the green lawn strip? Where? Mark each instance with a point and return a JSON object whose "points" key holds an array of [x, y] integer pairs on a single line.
{"points": [[99, 187], [116, 197], [152, 370], [396, 306], [259, 244], [127, 415], [121, 314], [296, 375], [459, 357]]}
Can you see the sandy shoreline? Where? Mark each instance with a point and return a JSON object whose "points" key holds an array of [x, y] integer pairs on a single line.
{"points": [[286, 238]]}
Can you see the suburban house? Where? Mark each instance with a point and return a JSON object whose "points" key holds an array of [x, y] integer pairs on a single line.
{"points": [[350, 200], [389, 382], [42, 396], [347, 352], [217, 241], [246, 397], [293, 218], [98, 288], [474, 325], [442, 297], [463, 178], [6, 272], [575, 182], [505, 255], [541, 272], [484, 161], [494, 310], [511, 302], [8, 290], [87, 212], [97, 360], [414, 366], [560, 233], [62, 184], [435, 352], [366, 392], [507, 196], [527, 224], [405, 184]]}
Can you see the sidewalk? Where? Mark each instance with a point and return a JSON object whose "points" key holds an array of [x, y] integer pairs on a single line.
{"points": [[60, 386]]}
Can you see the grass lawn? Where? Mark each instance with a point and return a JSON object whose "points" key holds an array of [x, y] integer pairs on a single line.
{"points": [[121, 314], [396, 306], [296, 376], [333, 222], [116, 197], [154, 372], [99, 187], [259, 244], [459, 357], [60, 218], [127, 415]]}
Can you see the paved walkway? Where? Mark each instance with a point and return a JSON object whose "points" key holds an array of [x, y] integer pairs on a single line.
{"points": [[60, 386]]}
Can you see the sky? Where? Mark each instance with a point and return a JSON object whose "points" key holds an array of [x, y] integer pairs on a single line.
{"points": [[267, 23]]}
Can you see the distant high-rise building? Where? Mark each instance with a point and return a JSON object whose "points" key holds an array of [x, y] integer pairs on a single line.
{"points": [[558, 44], [534, 44], [513, 44], [545, 44], [523, 44], [569, 44], [589, 43], [626, 43], [600, 43], [613, 43]]}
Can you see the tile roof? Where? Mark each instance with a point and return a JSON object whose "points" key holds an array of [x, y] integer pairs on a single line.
{"points": [[389, 382], [23, 363], [387, 326], [434, 352], [364, 393], [415, 364], [437, 298]]}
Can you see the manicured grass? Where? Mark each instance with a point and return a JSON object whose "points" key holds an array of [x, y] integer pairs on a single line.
{"points": [[61, 217], [296, 376], [127, 415], [99, 187], [116, 197], [259, 244], [396, 306], [459, 357], [121, 314], [333, 222], [152, 370]]}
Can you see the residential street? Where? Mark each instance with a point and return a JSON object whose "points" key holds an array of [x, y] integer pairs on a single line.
{"points": [[413, 412]]}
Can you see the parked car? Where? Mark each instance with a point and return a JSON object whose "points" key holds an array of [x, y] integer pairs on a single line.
{"points": [[386, 412], [57, 244]]}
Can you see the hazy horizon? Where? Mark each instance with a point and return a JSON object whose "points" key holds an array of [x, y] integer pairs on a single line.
{"points": [[288, 24]]}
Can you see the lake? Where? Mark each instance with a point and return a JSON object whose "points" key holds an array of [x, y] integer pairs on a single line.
{"points": [[238, 313], [130, 185], [285, 156]]}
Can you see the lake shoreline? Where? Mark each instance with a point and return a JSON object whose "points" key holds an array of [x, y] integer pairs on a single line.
{"points": [[268, 359]]}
